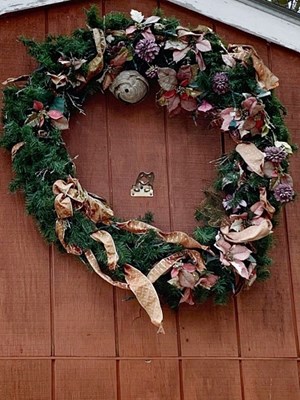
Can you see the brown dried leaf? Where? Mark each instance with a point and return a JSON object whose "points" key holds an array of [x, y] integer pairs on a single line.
{"points": [[167, 78], [15, 149], [252, 156], [12, 80], [250, 234], [96, 64]]}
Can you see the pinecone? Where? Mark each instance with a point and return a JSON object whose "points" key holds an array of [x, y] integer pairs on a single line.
{"points": [[275, 154], [147, 49], [284, 193], [220, 83], [152, 71]]}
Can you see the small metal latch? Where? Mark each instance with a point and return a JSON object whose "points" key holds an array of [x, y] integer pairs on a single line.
{"points": [[143, 185]]}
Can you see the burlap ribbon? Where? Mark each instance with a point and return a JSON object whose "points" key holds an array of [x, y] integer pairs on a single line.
{"points": [[71, 196], [95, 66]]}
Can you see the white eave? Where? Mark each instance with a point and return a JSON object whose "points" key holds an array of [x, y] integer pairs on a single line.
{"points": [[274, 24]]}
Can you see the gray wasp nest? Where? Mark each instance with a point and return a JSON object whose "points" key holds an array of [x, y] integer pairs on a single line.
{"points": [[129, 86]]}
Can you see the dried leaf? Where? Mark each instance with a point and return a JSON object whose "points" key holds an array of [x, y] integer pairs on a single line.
{"points": [[15, 149], [19, 78], [136, 16], [95, 66], [167, 78], [106, 239], [60, 123], [252, 156], [146, 294], [249, 234]]}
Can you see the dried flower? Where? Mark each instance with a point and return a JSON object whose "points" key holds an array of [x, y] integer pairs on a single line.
{"points": [[220, 83], [233, 255], [284, 192], [275, 154], [147, 49]]}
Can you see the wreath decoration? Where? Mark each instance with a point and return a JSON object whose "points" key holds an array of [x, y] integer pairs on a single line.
{"points": [[196, 74]]}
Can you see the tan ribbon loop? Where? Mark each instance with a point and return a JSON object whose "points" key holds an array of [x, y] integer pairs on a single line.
{"points": [[183, 239], [60, 229], [96, 64], [63, 206], [106, 239], [97, 211], [267, 206], [163, 266], [15, 149], [250, 234], [94, 264], [94, 208], [252, 156], [146, 295], [135, 226]]}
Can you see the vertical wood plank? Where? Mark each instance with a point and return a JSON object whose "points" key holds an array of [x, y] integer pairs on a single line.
{"points": [[211, 379], [83, 303], [25, 379], [288, 92], [137, 141], [271, 379], [149, 380], [208, 330], [85, 380], [24, 270]]}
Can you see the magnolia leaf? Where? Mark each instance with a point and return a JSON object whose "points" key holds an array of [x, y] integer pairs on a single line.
{"points": [[55, 114], [178, 55], [136, 16], [203, 45], [151, 20], [252, 156], [61, 123], [58, 80], [285, 145], [228, 60], [167, 78], [205, 106], [175, 45]]}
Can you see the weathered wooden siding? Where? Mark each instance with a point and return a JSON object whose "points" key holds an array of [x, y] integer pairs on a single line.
{"points": [[64, 334]]}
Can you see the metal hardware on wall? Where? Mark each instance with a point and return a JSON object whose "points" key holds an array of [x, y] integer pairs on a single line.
{"points": [[143, 186]]}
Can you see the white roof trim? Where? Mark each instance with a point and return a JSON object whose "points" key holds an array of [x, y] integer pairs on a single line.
{"points": [[270, 23], [8, 6], [273, 24]]}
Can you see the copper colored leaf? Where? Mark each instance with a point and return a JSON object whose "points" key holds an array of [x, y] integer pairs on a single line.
{"points": [[167, 78], [252, 156], [60, 123]]}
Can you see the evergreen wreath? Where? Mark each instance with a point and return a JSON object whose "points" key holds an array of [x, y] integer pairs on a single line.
{"points": [[197, 74]]}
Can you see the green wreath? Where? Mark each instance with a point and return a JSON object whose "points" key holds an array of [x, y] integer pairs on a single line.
{"points": [[197, 74]]}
